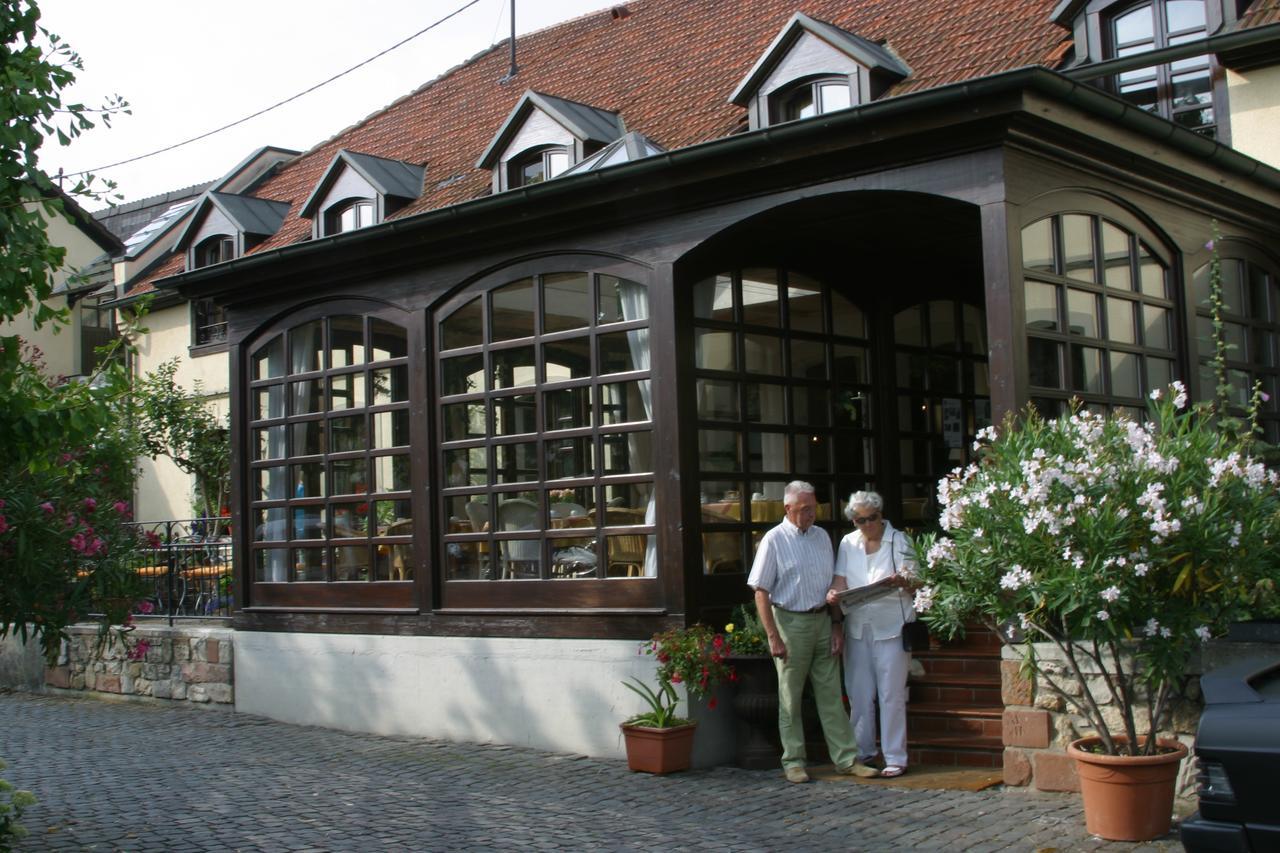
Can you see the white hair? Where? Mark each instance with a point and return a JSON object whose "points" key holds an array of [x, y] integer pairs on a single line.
{"points": [[796, 487], [868, 499]]}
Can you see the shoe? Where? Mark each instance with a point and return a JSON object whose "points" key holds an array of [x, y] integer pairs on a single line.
{"points": [[858, 769], [797, 775], [892, 771]]}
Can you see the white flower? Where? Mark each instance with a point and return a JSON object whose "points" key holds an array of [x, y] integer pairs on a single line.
{"points": [[1016, 578], [924, 599], [1156, 394], [1180, 396], [1103, 615], [1141, 569], [1111, 593], [1153, 627], [1203, 633]]}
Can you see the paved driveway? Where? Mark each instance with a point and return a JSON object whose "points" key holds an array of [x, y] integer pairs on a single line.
{"points": [[115, 775]]}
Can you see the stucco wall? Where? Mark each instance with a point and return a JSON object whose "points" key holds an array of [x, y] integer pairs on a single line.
{"points": [[1254, 99], [559, 695]]}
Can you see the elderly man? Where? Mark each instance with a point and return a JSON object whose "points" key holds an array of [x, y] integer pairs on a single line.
{"points": [[792, 571]]}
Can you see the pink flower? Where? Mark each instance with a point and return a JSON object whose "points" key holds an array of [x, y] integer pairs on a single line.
{"points": [[47, 506], [153, 539], [1209, 245], [139, 651], [90, 504], [4, 524], [121, 507], [145, 607]]}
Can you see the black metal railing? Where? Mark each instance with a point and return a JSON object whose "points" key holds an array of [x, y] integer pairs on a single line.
{"points": [[187, 564]]}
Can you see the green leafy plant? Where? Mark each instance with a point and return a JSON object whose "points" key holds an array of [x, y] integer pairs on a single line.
{"points": [[696, 657], [1123, 546], [745, 633], [12, 804]]}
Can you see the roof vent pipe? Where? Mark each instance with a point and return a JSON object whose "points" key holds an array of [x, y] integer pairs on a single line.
{"points": [[511, 73]]}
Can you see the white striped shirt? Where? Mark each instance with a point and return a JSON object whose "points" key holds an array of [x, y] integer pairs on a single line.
{"points": [[795, 567]]}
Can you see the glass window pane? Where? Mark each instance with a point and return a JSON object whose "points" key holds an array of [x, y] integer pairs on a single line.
{"points": [[762, 354], [351, 563], [908, 327], [811, 406], [852, 364], [346, 391], [272, 484], [721, 501], [389, 341], [1184, 15], [1044, 363], [766, 403], [835, 96], [468, 466], [718, 400], [346, 341], [760, 297], [1233, 289], [713, 299], [390, 429], [1086, 369], [515, 463], [1135, 26], [1151, 272], [622, 300], [464, 561], [308, 523], [1077, 247], [1155, 325], [808, 359], [308, 565], [621, 352], [1115, 257], [390, 473], [1159, 373], [1037, 245], [1042, 307], [308, 480], [804, 304], [975, 330], [942, 324], [632, 498], [463, 374], [1121, 320], [566, 301], [268, 443], [626, 453], [308, 438], [348, 433], [464, 327], [853, 409], [1124, 375], [568, 408], [390, 385], [464, 420], [718, 450], [514, 415], [855, 455], [722, 553], [306, 397], [512, 368], [767, 451], [812, 453], [349, 520], [270, 525], [567, 359], [394, 562], [846, 318], [268, 361], [268, 402], [1236, 337], [511, 311], [715, 350], [625, 555], [305, 347], [569, 457], [349, 477], [624, 402]]}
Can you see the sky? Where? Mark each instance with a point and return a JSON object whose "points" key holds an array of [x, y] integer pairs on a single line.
{"points": [[187, 68]]}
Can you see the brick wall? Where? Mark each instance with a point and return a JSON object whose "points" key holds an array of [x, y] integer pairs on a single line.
{"points": [[183, 663]]}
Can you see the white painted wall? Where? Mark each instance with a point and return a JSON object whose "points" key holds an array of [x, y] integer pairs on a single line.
{"points": [[349, 184], [557, 695], [810, 55], [538, 129], [1254, 101]]}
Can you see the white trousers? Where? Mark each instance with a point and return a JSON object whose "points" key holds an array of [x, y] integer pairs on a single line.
{"points": [[877, 668]]}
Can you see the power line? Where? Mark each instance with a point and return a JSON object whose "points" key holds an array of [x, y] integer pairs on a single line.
{"points": [[278, 104]]}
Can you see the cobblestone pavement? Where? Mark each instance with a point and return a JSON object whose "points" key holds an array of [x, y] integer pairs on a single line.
{"points": [[116, 775]]}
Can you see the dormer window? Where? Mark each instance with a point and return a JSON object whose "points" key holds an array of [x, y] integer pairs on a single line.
{"points": [[1181, 91], [812, 98], [536, 166], [813, 68], [348, 216], [215, 250]]}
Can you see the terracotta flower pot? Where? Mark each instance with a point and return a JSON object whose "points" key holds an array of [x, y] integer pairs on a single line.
{"points": [[659, 751], [1127, 797]]}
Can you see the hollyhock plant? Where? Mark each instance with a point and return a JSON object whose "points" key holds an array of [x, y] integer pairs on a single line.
{"points": [[1125, 545]]}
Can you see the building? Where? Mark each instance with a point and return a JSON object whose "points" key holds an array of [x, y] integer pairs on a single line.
{"points": [[520, 365]]}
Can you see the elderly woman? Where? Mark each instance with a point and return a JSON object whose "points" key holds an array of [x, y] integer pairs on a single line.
{"points": [[875, 664]]}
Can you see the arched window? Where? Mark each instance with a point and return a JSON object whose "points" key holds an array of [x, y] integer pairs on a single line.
{"points": [[348, 216], [536, 166], [546, 428], [1181, 91], [812, 97], [1099, 315], [215, 250], [329, 456]]}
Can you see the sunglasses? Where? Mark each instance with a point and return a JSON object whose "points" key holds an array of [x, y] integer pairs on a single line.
{"points": [[864, 519]]}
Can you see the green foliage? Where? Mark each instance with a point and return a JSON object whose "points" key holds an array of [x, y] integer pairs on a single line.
{"points": [[179, 425], [696, 657], [1123, 545], [662, 705], [35, 66], [12, 804], [745, 633]]}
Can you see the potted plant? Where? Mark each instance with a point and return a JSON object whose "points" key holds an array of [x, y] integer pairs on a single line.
{"points": [[1105, 552], [657, 741]]}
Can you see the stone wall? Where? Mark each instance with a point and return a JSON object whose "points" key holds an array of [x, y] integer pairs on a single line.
{"points": [[191, 663]]}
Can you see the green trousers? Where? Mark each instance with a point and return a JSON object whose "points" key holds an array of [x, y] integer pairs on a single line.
{"points": [[808, 639]]}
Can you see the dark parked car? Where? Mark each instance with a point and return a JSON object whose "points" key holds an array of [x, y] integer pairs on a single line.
{"points": [[1238, 745]]}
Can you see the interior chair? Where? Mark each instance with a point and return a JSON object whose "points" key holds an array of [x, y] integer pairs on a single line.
{"points": [[521, 558]]}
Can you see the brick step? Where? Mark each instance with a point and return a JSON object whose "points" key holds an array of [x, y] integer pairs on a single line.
{"points": [[948, 709], [984, 695], [950, 756], [932, 721], [964, 679], [943, 662]]}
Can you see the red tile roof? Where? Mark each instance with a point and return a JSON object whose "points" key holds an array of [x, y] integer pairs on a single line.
{"points": [[668, 67], [1260, 13]]}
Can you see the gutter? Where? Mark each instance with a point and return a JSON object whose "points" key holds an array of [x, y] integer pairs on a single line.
{"points": [[537, 197], [1224, 43]]}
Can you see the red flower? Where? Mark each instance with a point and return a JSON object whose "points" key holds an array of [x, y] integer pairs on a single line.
{"points": [[90, 504], [711, 705]]}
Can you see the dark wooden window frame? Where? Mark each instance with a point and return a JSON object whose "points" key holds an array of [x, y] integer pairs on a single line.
{"points": [[208, 323], [780, 101], [329, 594], [214, 249], [333, 215], [540, 154], [545, 594]]}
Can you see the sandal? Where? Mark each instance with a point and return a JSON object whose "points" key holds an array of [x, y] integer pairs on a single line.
{"points": [[892, 771]]}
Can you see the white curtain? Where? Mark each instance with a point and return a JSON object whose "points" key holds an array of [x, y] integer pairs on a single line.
{"points": [[634, 301]]}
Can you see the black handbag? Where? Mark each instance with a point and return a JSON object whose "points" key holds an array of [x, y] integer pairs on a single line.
{"points": [[915, 635]]}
